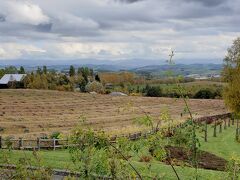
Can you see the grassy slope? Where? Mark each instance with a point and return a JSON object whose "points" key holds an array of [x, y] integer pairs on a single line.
{"points": [[224, 145]]}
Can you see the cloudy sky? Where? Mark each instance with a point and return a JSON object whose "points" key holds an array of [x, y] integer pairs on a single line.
{"points": [[197, 30]]}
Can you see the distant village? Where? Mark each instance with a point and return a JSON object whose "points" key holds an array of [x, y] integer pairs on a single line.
{"points": [[203, 77]]}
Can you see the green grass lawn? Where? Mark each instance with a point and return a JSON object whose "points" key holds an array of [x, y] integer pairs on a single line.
{"points": [[224, 145], [61, 160]]}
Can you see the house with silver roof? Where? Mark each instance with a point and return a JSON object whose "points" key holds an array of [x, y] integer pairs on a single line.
{"points": [[9, 79]]}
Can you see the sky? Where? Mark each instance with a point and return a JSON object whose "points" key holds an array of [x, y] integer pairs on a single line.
{"points": [[199, 31]]}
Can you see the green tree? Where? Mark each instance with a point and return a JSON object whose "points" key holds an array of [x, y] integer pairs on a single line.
{"points": [[232, 92], [39, 70], [72, 71], [21, 70], [154, 91], [2, 72], [11, 70], [44, 69], [85, 72], [204, 94], [231, 74], [232, 61]]}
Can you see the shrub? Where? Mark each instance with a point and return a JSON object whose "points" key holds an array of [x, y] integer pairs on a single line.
{"points": [[2, 129], [233, 168], [95, 86], [55, 135], [181, 137], [204, 94], [8, 142], [218, 93], [153, 91]]}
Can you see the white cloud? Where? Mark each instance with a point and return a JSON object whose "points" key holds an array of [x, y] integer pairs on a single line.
{"points": [[104, 29], [25, 12], [92, 50], [15, 50]]}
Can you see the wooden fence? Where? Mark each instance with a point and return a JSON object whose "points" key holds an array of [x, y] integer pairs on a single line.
{"points": [[53, 144], [30, 144]]}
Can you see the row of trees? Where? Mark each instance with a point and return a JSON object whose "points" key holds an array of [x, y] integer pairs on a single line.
{"points": [[202, 93], [11, 70], [44, 79], [82, 78]]}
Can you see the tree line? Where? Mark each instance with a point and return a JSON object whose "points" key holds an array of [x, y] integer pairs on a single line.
{"points": [[43, 78]]}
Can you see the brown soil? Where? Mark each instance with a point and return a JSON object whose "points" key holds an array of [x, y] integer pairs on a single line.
{"points": [[206, 160]]}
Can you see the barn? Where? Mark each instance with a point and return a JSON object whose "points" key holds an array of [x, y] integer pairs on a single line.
{"points": [[12, 80]]}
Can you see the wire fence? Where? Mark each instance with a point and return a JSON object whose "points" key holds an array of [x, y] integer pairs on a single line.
{"points": [[53, 144]]}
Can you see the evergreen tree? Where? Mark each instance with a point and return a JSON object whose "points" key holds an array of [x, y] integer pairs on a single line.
{"points": [[91, 73], [97, 78], [72, 71], [39, 70], [44, 69], [85, 72], [21, 70]]}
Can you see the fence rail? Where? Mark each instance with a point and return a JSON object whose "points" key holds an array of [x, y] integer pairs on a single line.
{"points": [[53, 144]]}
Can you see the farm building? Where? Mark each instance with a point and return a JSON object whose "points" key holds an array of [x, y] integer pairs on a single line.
{"points": [[12, 80]]}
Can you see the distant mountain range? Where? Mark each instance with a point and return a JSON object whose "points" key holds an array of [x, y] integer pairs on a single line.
{"points": [[139, 66], [179, 69], [115, 64]]}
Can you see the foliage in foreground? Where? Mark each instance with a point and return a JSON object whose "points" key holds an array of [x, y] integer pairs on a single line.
{"points": [[24, 168]]}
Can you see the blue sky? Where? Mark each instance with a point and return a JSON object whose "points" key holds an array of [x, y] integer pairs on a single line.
{"points": [[197, 30]]}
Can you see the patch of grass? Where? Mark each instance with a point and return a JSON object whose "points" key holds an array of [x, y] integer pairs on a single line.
{"points": [[61, 160], [188, 173], [224, 145]]}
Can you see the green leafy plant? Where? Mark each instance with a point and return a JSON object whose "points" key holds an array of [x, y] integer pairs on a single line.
{"points": [[94, 155], [233, 168], [26, 168]]}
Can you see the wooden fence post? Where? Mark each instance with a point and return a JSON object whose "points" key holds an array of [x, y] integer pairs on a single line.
{"points": [[220, 128], [206, 129], [237, 130], [38, 144], [0, 142], [225, 124], [54, 144], [20, 143], [215, 129]]}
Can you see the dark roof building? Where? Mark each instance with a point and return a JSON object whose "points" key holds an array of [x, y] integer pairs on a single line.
{"points": [[8, 78]]}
